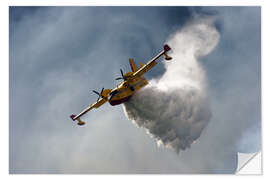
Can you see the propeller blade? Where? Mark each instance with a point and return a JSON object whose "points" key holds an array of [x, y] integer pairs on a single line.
{"points": [[101, 92], [96, 92], [122, 73]]}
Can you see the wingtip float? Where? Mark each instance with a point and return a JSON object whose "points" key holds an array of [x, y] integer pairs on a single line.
{"points": [[132, 82]]}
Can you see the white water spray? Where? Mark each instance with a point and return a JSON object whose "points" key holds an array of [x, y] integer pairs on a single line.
{"points": [[174, 109]]}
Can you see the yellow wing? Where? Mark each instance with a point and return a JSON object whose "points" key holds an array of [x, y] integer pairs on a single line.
{"points": [[94, 105], [97, 104], [150, 64]]}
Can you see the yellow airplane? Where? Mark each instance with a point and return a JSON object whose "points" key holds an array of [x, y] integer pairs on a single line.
{"points": [[132, 82]]}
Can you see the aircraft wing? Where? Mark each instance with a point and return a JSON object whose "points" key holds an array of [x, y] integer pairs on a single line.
{"points": [[94, 105], [150, 64]]}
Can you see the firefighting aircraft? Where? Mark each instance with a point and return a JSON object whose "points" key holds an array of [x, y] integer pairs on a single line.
{"points": [[132, 82]]}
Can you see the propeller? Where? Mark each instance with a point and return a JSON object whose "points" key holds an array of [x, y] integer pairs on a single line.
{"points": [[122, 74], [99, 94], [125, 78]]}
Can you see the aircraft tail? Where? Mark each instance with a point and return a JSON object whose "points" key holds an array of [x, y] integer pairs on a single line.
{"points": [[133, 66]]}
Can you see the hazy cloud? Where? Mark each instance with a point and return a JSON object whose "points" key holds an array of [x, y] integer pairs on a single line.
{"points": [[59, 54]]}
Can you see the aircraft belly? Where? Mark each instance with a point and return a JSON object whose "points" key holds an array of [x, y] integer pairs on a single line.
{"points": [[125, 94], [119, 101]]}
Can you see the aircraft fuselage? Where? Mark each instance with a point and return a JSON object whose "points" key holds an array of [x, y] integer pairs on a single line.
{"points": [[125, 90]]}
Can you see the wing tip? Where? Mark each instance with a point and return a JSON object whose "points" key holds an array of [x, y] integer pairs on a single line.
{"points": [[72, 116], [166, 48]]}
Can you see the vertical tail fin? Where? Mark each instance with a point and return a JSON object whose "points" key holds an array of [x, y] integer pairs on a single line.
{"points": [[133, 66]]}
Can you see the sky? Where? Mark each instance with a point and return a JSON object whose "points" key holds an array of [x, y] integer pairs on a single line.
{"points": [[59, 54]]}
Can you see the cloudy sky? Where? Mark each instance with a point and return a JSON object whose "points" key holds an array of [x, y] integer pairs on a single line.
{"points": [[59, 54]]}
